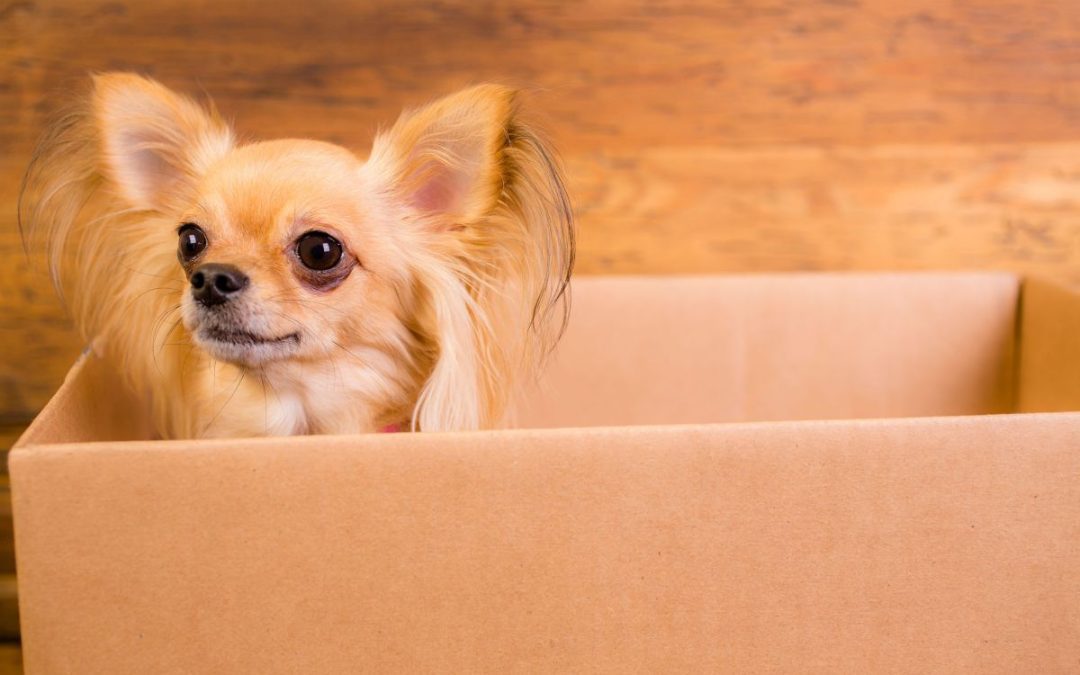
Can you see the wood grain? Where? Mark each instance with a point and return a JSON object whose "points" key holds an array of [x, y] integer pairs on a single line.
{"points": [[9, 608], [10, 659], [699, 136], [7, 540], [619, 73], [710, 209]]}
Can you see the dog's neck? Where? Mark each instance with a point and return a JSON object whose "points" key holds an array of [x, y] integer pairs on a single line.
{"points": [[360, 392]]}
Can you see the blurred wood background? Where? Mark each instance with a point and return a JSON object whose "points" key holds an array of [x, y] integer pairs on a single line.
{"points": [[699, 136]]}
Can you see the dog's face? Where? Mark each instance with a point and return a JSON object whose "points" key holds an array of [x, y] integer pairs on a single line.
{"points": [[423, 277], [297, 250], [287, 255]]}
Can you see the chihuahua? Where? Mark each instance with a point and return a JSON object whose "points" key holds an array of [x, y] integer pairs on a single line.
{"points": [[291, 287]]}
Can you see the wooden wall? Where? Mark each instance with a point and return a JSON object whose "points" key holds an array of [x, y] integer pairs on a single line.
{"points": [[700, 136]]}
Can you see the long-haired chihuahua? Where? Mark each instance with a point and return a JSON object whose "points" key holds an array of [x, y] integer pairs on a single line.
{"points": [[291, 287]]}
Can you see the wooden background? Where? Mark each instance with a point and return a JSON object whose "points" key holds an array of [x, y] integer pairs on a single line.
{"points": [[699, 136]]}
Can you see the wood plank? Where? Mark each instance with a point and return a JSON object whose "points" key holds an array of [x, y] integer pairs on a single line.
{"points": [[899, 207], [7, 538], [10, 659], [10, 662], [8, 435], [9, 608], [619, 73]]}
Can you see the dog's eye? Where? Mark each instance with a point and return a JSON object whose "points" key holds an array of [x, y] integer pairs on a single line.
{"points": [[192, 241], [318, 250]]}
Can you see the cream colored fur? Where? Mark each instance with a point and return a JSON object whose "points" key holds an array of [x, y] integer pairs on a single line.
{"points": [[458, 227]]}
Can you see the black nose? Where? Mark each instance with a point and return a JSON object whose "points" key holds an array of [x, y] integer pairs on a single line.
{"points": [[213, 284]]}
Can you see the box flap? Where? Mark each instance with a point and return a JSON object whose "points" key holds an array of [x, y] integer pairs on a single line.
{"points": [[1049, 377], [717, 349], [91, 405]]}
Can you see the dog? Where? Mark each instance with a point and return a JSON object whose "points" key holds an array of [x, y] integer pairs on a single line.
{"points": [[291, 287]]}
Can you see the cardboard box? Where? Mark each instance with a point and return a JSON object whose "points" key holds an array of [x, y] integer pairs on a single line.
{"points": [[657, 517]]}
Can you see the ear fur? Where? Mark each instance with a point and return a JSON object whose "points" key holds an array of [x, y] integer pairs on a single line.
{"points": [[154, 142], [491, 239], [445, 157], [95, 200]]}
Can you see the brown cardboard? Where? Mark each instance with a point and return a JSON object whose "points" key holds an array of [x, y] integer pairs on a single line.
{"points": [[781, 347], [1050, 376], [945, 544], [90, 405]]}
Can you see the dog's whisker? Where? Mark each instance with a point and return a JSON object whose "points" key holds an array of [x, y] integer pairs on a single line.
{"points": [[325, 350], [154, 331], [167, 277], [224, 405], [153, 290]]}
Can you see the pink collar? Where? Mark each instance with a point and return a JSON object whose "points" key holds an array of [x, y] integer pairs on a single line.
{"points": [[390, 429]]}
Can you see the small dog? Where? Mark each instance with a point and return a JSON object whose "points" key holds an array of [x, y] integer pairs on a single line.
{"points": [[288, 287]]}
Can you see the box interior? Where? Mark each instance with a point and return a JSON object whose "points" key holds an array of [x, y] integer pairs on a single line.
{"points": [[676, 350], [783, 347]]}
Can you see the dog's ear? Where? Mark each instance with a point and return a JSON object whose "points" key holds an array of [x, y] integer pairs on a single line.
{"points": [[155, 143], [443, 160], [491, 243]]}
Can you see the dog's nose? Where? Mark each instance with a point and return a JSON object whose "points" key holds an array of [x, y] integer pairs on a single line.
{"points": [[213, 284]]}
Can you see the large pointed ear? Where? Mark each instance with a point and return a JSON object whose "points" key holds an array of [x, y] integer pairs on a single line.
{"points": [[155, 142], [444, 160], [495, 251]]}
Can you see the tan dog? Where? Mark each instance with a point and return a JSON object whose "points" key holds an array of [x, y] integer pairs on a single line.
{"points": [[289, 287]]}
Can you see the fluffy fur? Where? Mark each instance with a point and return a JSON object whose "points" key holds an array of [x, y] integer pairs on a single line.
{"points": [[458, 242]]}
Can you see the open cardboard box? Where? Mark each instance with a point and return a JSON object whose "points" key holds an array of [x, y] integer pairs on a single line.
{"points": [[655, 516]]}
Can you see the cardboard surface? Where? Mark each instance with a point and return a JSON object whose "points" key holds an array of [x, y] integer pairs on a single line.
{"points": [[1050, 357], [781, 347], [91, 405], [940, 544], [950, 545]]}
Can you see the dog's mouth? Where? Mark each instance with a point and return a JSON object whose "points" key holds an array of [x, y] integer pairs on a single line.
{"points": [[244, 347], [243, 338]]}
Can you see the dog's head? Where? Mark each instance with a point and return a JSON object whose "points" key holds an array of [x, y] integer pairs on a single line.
{"points": [[444, 253]]}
